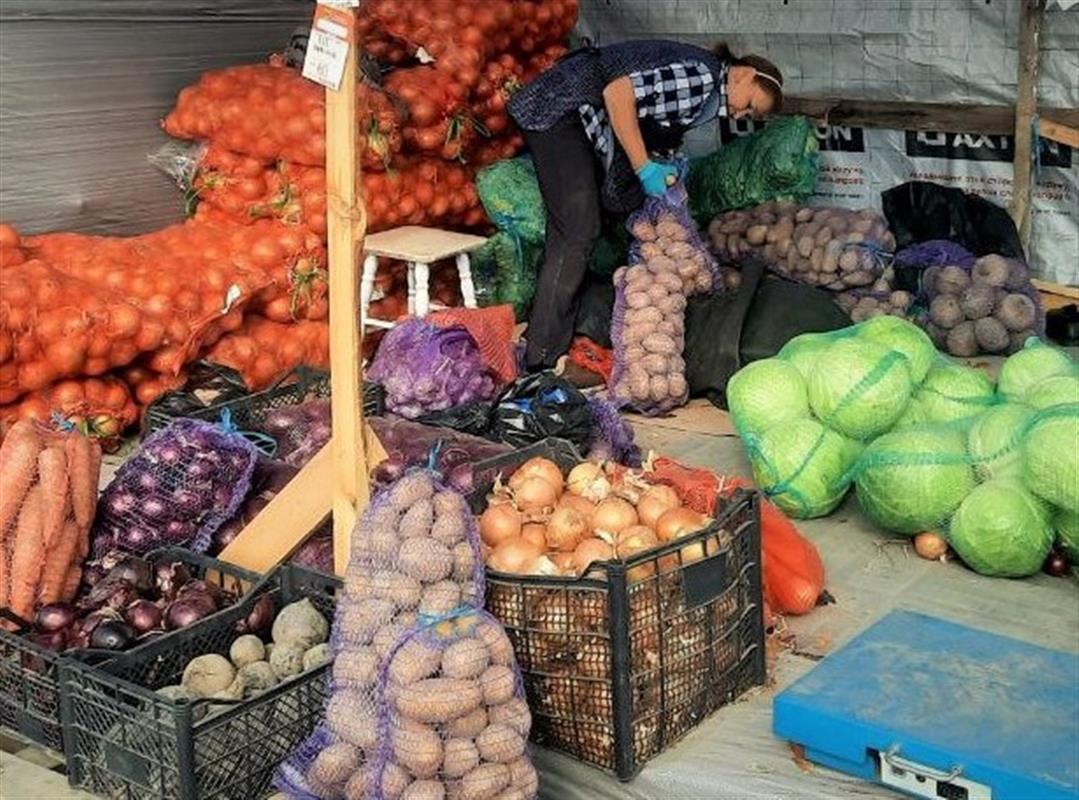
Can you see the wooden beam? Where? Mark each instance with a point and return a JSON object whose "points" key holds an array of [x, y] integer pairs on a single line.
{"points": [[1065, 134], [346, 223], [901, 115], [1030, 23]]}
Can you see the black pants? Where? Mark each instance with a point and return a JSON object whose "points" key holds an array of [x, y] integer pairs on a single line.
{"points": [[569, 180]]}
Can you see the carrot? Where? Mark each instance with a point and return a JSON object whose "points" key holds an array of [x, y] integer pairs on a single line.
{"points": [[53, 480], [83, 468], [58, 563], [27, 554], [18, 466], [71, 583]]}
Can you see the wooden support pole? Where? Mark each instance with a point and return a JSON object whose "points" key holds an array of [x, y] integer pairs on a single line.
{"points": [[346, 222], [1030, 23]]}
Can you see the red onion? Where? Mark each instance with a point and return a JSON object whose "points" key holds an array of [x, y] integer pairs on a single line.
{"points": [[85, 626], [197, 470], [53, 617], [1056, 564], [199, 587], [460, 478], [112, 635], [134, 570], [223, 496], [114, 593], [153, 508], [137, 538], [181, 613], [253, 507], [55, 641], [179, 531], [148, 481], [169, 576], [389, 470], [121, 503], [143, 616], [168, 454], [259, 618], [224, 535]]}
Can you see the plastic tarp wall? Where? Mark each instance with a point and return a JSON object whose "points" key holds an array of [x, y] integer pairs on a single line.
{"points": [[942, 51], [83, 85]]}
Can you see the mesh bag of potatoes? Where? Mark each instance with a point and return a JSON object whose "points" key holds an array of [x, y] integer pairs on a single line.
{"points": [[835, 248], [980, 306], [453, 720], [668, 263], [415, 553]]}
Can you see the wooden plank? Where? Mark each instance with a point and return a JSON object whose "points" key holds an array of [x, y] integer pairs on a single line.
{"points": [[346, 222], [1048, 287], [902, 115], [1058, 132], [1030, 24]]}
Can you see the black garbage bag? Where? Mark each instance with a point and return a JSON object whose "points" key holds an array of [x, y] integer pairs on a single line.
{"points": [[724, 332], [541, 406], [473, 418], [919, 211]]}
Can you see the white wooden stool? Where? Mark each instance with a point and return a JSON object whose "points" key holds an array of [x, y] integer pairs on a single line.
{"points": [[418, 247]]}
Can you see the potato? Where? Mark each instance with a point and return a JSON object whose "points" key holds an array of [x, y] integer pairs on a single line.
{"points": [[719, 242], [804, 214], [394, 781], [485, 782], [417, 521], [362, 619], [637, 333], [498, 684], [769, 253], [645, 316], [416, 747], [359, 784], [438, 699], [650, 250], [638, 299], [449, 529], [465, 658], [334, 764], [859, 278], [440, 598], [816, 258], [848, 260], [356, 667], [676, 384], [783, 229], [674, 304], [669, 281], [806, 243], [403, 591], [757, 234], [424, 790], [500, 743], [515, 713], [414, 660], [659, 343], [657, 293], [412, 488], [783, 246], [464, 561], [460, 756], [862, 226], [469, 725], [636, 353], [655, 364], [658, 388], [660, 265], [425, 559], [823, 236], [523, 776], [643, 231], [838, 225], [497, 642], [349, 715], [637, 383], [208, 674], [670, 327], [830, 262], [793, 256]]}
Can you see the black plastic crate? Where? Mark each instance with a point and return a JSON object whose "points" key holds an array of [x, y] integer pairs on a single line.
{"points": [[29, 674], [125, 741], [621, 663], [248, 413]]}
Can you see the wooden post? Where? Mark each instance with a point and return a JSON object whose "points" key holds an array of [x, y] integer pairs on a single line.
{"points": [[1030, 23], [346, 222]]}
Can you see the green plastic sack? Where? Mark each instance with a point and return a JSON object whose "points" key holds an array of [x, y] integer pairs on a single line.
{"points": [[776, 163]]}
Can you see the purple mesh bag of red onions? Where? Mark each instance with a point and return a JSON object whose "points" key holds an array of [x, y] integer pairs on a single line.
{"points": [[427, 368], [181, 485]]}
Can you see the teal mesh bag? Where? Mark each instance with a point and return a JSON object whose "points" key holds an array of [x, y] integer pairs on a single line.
{"points": [[776, 163]]}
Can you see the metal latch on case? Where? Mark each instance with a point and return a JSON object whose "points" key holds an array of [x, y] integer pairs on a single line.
{"points": [[925, 781]]}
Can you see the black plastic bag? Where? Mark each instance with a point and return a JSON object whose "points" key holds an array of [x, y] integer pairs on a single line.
{"points": [[473, 418], [918, 211], [541, 406], [207, 385], [724, 332]]}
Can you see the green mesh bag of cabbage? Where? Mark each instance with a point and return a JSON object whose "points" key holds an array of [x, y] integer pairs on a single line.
{"points": [[776, 163]]}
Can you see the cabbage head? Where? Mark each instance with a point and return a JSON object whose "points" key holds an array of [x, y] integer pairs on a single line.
{"points": [[906, 337], [950, 392], [994, 441], [803, 350], [1050, 455], [766, 393], [1031, 365], [1057, 390], [1001, 529]]}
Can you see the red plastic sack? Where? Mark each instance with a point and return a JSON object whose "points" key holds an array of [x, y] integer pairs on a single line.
{"points": [[492, 328]]}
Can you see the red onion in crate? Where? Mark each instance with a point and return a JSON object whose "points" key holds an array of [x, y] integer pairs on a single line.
{"points": [[169, 576], [53, 617], [143, 616]]}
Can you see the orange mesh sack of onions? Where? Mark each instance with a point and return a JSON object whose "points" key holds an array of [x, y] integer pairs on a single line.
{"points": [[415, 552], [668, 263], [453, 719]]}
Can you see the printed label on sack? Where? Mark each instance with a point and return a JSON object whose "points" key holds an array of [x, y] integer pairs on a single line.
{"points": [[327, 47]]}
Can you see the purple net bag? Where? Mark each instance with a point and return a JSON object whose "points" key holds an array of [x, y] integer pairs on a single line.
{"points": [[415, 551], [453, 719], [300, 430], [181, 485], [427, 368]]}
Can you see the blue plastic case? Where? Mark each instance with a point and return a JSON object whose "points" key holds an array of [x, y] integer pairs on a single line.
{"points": [[940, 710]]}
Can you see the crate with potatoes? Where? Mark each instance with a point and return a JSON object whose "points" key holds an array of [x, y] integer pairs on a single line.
{"points": [[632, 616]]}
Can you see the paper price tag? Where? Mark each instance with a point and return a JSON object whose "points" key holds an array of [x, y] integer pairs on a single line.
{"points": [[340, 3], [327, 46]]}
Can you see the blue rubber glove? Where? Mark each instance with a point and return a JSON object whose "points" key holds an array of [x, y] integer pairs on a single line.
{"points": [[656, 178]]}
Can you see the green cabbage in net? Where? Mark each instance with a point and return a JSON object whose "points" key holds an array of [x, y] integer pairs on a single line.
{"points": [[950, 392], [994, 441], [766, 393], [912, 480], [776, 163], [1057, 390], [1066, 525], [1031, 365], [906, 337], [859, 388], [1001, 529], [1050, 456], [803, 351], [802, 466]]}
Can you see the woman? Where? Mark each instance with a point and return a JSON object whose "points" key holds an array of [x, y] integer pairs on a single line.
{"points": [[592, 122]]}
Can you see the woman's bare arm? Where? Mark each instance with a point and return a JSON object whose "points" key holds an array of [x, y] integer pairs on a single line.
{"points": [[621, 106]]}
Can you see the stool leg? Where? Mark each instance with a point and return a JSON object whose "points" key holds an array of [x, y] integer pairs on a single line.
{"points": [[367, 285], [411, 275], [464, 275], [423, 302]]}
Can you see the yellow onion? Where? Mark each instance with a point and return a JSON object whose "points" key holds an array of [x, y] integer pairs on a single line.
{"points": [[538, 468], [565, 529], [498, 523], [565, 563], [534, 532], [613, 516], [515, 555], [930, 545], [579, 504], [678, 522], [655, 502], [589, 551], [535, 495], [632, 541], [588, 481]]}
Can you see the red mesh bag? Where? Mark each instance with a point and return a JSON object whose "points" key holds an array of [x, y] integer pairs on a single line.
{"points": [[492, 328], [263, 351], [101, 408], [590, 356]]}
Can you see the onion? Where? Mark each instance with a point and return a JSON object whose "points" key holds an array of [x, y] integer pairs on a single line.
{"points": [[259, 618], [459, 478], [53, 617], [677, 523], [534, 495], [148, 482], [499, 523], [564, 563], [930, 545], [188, 502], [589, 551], [634, 540], [536, 533], [56, 641], [112, 635], [153, 508], [121, 503], [514, 555], [224, 535], [198, 588], [114, 593], [137, 539], [181, 613], [389, 469], [538, 468], [655, 502], [136, 571], [143, 616], [1056, 564], [587, 480], [613, 516], [169, 576], [565, 529], [85, 626]]}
